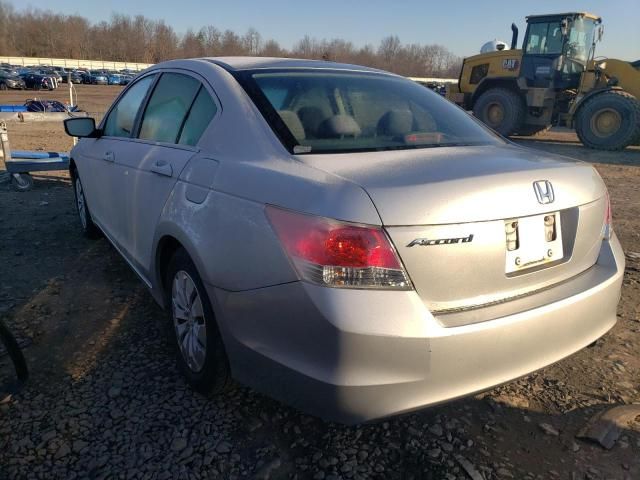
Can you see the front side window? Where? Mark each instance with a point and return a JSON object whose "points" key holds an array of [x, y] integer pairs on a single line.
{"points": [[335, 111], [168, 106], [122, 117], [544, 38]]}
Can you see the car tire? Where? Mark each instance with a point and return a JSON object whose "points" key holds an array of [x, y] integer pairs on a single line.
{"points": [[501, 109], [609, 121], [3, 86], [200, 352], [89, 229]]}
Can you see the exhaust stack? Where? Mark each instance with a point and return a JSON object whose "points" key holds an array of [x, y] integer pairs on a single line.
{"points": [[514, 36]]}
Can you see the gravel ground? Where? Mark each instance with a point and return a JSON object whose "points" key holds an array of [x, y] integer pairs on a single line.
{"points": [[105, 399]]}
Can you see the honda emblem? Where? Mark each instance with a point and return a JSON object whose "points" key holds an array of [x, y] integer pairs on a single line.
{"points": [[544, 191]]}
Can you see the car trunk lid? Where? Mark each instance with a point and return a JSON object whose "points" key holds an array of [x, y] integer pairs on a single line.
{"points": [[448, 211]]}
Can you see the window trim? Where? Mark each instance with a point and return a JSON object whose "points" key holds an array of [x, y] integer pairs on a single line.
{"points": [[186, 117], [203, 83], [137, 125], [142, 111]]}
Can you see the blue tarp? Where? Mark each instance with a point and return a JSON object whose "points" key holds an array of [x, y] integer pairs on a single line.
{"points": [[30, 155], [28, 161], [13, 108]]}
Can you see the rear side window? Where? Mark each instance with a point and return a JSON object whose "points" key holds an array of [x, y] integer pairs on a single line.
{"points": [[169, 103], [123, 116], [201, 113]]}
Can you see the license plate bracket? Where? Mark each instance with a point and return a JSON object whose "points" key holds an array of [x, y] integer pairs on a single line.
{"points": [[537, 240]]}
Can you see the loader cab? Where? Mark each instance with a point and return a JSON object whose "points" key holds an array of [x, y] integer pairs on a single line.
{"points": [[556, 49]]}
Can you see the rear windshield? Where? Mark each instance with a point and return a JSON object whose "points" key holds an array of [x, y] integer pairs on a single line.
{"points": [[320, 111]]}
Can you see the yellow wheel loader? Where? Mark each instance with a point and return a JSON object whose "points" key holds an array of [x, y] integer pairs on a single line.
{"points": [[555, 79]]}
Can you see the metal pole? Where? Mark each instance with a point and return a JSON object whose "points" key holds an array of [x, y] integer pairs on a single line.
{"points": [[75, 140]]}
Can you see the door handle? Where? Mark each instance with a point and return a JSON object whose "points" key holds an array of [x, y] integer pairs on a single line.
{"points": [[108, 157], [161, 167]]}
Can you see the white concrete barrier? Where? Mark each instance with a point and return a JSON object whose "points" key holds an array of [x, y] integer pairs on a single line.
{"points": [[71, 63]]}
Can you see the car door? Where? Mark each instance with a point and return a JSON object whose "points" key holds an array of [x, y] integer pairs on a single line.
{"points": [[99, 178], [174, 117]]}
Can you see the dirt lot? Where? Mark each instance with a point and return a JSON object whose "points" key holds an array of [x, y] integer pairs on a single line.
{"points": [[105, 400]]}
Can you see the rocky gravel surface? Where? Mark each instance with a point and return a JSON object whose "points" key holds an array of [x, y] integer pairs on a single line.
{"points": [[105, 401]]}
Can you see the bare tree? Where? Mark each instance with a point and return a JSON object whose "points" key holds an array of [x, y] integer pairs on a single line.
{"points": [[252, 41], [272, 48], [38, 33]]}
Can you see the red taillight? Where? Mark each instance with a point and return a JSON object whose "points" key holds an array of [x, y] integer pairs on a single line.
{"points": [[339, 254], [608, 227]]}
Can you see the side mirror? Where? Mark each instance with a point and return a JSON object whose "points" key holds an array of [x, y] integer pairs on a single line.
{"points": [[82, 127], [600, 32], [564, 27]]}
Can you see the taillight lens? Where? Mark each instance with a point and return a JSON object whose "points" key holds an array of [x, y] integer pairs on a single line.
{"points": [[338, 254], [607, 230]]}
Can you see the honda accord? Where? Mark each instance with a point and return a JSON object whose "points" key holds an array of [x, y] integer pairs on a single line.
{"points": [[342, 238]]}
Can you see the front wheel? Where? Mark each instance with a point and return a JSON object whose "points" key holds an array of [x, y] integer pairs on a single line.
{"points": [[609, 121], [501, 109], [89, 229], [201, 354]]}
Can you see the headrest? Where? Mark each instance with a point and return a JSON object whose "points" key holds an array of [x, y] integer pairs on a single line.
{"points": [[339, 125], [311, 118], [396, 122]]}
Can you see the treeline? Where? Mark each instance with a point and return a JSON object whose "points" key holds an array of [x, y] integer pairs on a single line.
{"points": [[37, 33]]}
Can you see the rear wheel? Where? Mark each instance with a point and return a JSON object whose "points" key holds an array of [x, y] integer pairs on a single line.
{"points": [[501, 109], [201, 354], [609, 121]]}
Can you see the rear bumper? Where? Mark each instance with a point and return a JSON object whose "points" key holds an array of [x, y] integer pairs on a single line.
{"points": [[359, 355]]}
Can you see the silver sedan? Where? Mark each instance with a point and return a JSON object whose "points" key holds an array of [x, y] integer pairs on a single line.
{"points": [[342, 238]]}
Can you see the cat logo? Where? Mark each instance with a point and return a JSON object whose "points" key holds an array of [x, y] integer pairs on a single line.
{"points": [[510, 64]]}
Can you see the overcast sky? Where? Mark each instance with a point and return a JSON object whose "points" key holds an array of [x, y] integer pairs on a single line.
{"points": [[462, 26]]}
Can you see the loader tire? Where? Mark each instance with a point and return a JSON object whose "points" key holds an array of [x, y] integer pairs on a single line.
{"points": [[609, 121], [501, 109]]}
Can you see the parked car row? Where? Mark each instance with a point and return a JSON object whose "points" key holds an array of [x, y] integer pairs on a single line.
{"points": [[102, 77], [43, 77]]}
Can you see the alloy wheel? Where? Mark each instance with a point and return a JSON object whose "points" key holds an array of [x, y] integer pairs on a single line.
{"points": [[189, 321], [81, 203]]}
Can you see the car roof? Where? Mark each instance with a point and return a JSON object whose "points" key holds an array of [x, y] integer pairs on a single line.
{"points": [[253, 63]]}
